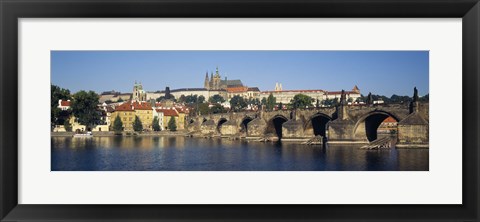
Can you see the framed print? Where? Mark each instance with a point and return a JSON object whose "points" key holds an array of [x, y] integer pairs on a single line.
{"points": [[225, 110]]}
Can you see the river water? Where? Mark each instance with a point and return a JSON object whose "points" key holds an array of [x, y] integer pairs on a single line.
{"points": [[147, 153]]}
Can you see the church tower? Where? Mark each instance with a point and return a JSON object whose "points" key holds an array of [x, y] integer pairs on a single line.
{"points": [[138, 92], [356, 89], [207, 81], [216, 80], [278, 87]]}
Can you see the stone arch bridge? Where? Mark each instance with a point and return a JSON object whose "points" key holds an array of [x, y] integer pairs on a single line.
{"points": [[337, 124]]}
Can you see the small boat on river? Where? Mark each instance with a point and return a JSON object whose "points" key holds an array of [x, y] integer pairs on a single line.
{"points": [[83, 135]]}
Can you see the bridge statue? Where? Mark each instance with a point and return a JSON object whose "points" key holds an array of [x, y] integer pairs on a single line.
{"points": [[415, 94], [414, 103], [343, 98]]}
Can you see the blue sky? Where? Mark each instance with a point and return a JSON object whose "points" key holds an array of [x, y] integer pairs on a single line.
{"points": [[379, 72]]}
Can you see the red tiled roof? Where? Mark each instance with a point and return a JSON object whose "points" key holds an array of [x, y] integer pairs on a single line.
{"points": [[142, 105], [124, 107], [389, 120], [340, 92], [168, 112], [296, 90], [237, 89], [182, 109], [65, 103]]}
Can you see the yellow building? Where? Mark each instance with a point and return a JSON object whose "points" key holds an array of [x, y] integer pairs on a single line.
{"points": [[168, 113], [144, 111], [126, 114], [181, 120]]}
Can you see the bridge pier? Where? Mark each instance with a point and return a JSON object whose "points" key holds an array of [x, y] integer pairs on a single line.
{"points": [[208, 127], [229, 128], [256, 127], [293, 129], [342, 131], [413, 132]]}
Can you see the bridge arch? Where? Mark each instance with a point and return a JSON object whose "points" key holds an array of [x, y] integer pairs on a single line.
{"points": [[221, 121], [318, 123], [367, 125], [274, 125], [244, 123]]}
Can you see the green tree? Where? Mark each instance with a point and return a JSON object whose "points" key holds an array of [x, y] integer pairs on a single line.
{"points": [[156, 124], [217, 108], [67, 125], [271, 101], [172, 126], [216, 99], [120, 100], [201, 99], [137, 124], [203, 109], [191, 99], [181, 99], [369, 98], [330, 102], [117, 125], [264, 101], [237, 103], [57, 94], [424, 98], [302, 101], [280, 106], [85, 108], [399, 99], [253, 102]]}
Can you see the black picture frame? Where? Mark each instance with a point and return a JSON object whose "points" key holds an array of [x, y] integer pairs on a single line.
{"points": [[11, 11]]}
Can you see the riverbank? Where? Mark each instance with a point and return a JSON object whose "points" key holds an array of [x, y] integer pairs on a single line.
{"points": [[108, 134]]}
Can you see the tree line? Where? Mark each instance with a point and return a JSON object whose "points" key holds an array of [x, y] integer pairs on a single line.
{"points": [[83, 105]]}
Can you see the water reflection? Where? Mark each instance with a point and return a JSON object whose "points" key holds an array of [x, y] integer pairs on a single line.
{"points": [[181, 153]]}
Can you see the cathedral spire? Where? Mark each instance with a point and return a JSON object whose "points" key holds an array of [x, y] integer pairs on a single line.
{"points": [[206, 84]]}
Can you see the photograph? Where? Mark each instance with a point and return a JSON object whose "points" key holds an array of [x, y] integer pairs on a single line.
{"points": [[203, 110], [239, 110]]}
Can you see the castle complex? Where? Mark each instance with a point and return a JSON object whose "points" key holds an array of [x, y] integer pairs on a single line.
{"points": [[216, 83]]}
